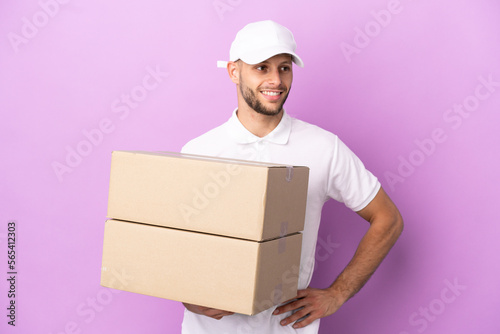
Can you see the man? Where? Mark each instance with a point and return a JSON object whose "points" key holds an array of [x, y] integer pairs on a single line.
{"points": [[259, 129]]}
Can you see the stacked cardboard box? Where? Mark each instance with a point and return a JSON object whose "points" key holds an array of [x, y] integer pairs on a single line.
{"points": [[214, 232]]}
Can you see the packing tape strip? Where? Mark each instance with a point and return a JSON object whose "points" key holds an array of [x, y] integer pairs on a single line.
{"points": [[282, 240], [289, 173], [209, 158]]}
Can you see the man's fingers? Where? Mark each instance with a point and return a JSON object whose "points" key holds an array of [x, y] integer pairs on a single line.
{"points": [[291, 304], [216, 314], [223, 314], [289, 307], [207, 311], [301, 318], [301, 313], [304, 322]]}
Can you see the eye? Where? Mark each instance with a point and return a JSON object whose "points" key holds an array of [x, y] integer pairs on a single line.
{"points": [[261, 68], [285, 68]]}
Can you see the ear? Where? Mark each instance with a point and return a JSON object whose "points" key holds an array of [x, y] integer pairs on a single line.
{"points": [[233, 69]]}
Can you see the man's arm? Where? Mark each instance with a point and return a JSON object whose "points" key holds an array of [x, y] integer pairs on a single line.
{"points": [[386, 224]]}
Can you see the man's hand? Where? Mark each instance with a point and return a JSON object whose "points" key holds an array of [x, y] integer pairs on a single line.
{"points": [[311, 304], [386, 225], [207, 311]]}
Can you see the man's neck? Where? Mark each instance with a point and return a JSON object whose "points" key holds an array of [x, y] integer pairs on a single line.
{"points": [[258, 124]]}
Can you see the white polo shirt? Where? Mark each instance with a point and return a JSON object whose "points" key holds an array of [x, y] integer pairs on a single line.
{"points": [[335, 172]]}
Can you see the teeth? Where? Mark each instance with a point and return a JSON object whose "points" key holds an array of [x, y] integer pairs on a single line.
{"points": [[270, 93]]}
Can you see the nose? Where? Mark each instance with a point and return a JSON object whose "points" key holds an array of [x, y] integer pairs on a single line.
{"points": [[274, 77]]}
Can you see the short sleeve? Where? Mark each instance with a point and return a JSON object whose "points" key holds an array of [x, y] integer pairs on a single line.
{"points": [[349, 181]]}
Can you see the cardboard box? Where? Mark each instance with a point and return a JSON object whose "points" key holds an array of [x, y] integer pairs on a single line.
{"points": [[242, 199], [231, 274]]}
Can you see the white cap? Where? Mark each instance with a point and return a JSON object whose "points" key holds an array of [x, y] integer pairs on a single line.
{"points": [[262, 40]]}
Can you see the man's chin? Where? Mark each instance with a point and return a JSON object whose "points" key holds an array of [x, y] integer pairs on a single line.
{"points": [[261, 109], [267, 112]]}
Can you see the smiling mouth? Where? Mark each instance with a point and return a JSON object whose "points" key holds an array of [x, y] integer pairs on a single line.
{"points": [[271, 95]]}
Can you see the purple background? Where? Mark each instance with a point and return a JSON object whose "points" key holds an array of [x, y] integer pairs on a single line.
{"points": [[63, 75]]}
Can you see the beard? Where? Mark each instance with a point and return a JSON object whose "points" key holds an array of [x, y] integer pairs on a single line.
{"points": [[252, 101]]}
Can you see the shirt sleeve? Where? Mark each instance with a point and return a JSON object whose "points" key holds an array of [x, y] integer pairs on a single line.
{"points": [[349, 181]]}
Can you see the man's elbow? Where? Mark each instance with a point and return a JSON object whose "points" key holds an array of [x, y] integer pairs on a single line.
{"points": [[397, 225]]}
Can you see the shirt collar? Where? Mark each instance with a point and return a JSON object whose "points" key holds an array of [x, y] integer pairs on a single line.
{"points": [[279, 135]]}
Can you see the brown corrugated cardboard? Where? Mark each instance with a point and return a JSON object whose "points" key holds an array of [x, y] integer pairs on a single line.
{"points": [[242, 199], [231, 274]]}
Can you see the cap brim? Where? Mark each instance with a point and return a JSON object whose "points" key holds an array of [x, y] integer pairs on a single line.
{"points": [[259, 56]]}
